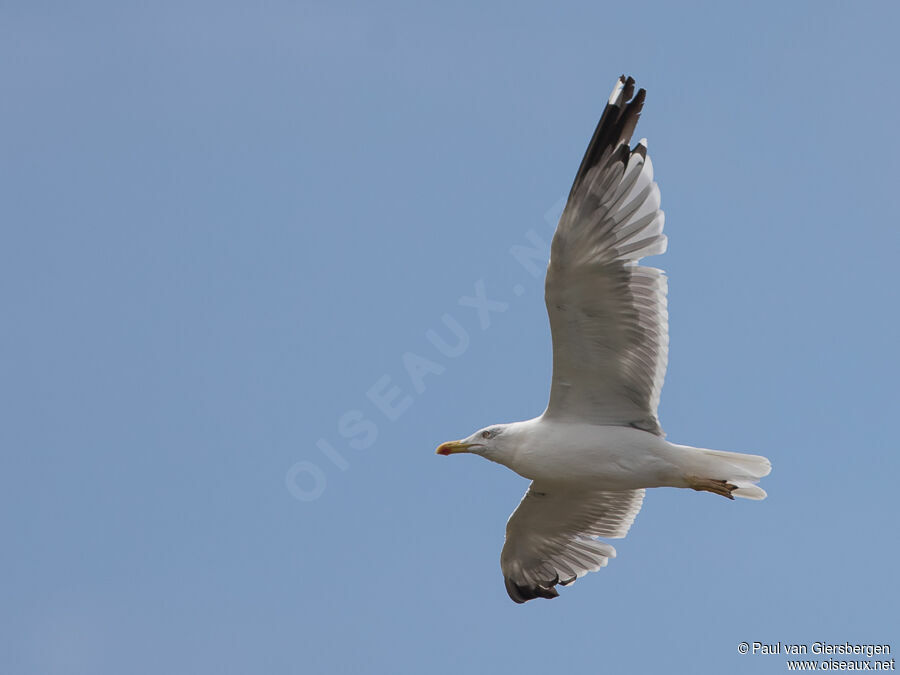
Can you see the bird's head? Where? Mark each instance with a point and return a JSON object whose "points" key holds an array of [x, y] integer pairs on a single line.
{"points": [[490, 442]]}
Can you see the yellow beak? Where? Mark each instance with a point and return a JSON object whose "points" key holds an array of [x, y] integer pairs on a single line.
{"points": [[452, 447]]}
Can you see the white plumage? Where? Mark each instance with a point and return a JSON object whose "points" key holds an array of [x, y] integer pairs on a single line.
{"points": [[599, 443]]}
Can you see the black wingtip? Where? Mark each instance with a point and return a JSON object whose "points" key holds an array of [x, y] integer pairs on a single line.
{"points": [[521, 594], [616, 125], [629, 88]]}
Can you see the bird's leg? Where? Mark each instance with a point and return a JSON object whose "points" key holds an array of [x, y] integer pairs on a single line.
{"points": [[719, 487]]}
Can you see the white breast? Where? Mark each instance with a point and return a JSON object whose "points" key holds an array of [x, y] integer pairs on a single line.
{"points": [[599, 457]]}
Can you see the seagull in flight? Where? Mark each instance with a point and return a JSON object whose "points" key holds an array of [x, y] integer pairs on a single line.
{"points": [[599, 443]]}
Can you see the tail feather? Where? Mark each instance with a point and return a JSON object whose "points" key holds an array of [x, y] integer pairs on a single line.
{"points": [[748, 490], [739, 469]]}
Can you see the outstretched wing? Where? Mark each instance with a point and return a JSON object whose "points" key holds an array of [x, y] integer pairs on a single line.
{"points": [[551, 537], [608, 314]]}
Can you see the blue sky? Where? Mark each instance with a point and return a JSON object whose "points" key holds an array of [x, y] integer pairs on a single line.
{"points": [[224, 224]]}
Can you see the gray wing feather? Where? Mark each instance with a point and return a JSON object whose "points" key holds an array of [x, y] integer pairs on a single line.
{"points": [[608, 314], [551, 537]]}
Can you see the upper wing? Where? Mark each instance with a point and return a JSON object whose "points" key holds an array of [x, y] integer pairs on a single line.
{"points": [[607, 314], [550, 537]]}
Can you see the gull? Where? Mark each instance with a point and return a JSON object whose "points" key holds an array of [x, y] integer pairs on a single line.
{"points": [[599, 444]]}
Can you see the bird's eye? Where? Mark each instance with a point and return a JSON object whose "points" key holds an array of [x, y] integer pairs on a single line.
{"points": [[485, 434]]}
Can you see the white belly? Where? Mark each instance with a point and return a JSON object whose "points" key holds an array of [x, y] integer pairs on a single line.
{"points": [[599, 457]]}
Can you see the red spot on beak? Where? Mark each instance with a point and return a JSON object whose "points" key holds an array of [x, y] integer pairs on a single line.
{"points": [[451, 447]]}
